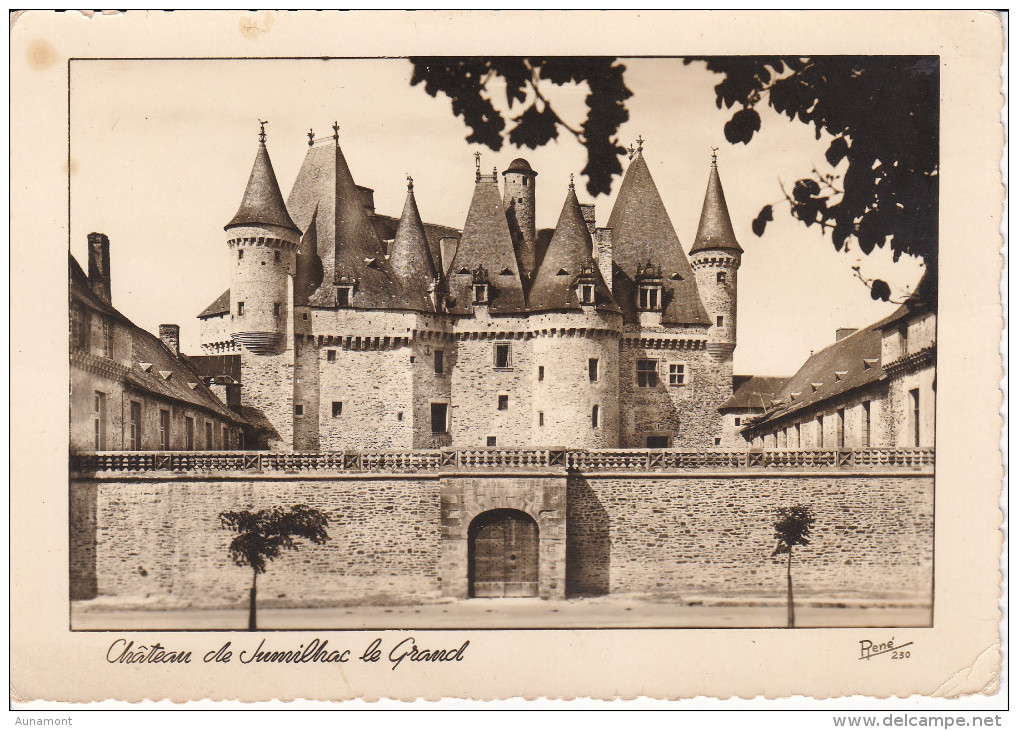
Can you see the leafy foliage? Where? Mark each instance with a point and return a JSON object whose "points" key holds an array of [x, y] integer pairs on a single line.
{"points": [[465, 81], [793, 527], [884, 115], [263, 535]]}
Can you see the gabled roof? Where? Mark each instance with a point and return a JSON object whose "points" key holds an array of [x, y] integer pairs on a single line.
{"points": [[715, 230], [486, 242], [410, 258], [753, 392], [346, 244], [816, 381], [219, 307], [642, 232], [569, 252], [183, 384], [262, 202]]}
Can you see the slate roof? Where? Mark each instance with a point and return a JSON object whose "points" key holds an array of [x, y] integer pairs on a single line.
{"points": [[385, 226], [345, 241], [570, 250], [147, 348], [520, 165], [642, 232], [715, 230], [262, 202], [486, 242], [410, 257], [753, 392], [830, 372], [219, 307]]}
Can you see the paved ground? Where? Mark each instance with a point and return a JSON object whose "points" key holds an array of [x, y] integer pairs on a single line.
{"points": [[502, 613]]}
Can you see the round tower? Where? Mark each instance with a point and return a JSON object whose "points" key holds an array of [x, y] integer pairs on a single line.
{"points": [[518, 197], [715, 258], [263, 242]]}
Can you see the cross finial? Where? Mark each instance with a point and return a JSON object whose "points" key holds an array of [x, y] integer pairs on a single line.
{"points": [[571, 185], [335, 131], [632, 151], [409, 183], [261, 132], [639, 143], [311, 137], [477, 165], [714, 157]]}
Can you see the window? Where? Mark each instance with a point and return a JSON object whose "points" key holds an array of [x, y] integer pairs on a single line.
{"points": [[491, 441], [503, 403], [721, 320], [540, 418], [164, 429], [595, 416], [503, 355], [480, 293], [79, 329], [738, 421], [864, 431], [208, 436], [226, 438], [298, 410], [646, 373], [277, 309], [277, 257], [913, 397], [650, 297], [677, 375], [839, 429], [337, 408], [240, 254], [107, 337], [657, 442], [399, 416], [820, 432], [520, 200], [903, 338], [798, 436], [99, 420], [343, 296], [305, 316], [525, 181], [189, 433], [722, 277], [717, 440], [586, 293], [135, 426], [439, 362], [592, 368], [439, 418], [540, 372], [413, 359], [330, 355], [240, 309]]}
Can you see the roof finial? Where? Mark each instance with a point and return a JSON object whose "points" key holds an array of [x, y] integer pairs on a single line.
{"points": [[571, 185], [409, 183], [639, 143], [632, 151], [311, 137], [335, 132], [494, 172], [477, 165], [261, 132], [714, 157]]}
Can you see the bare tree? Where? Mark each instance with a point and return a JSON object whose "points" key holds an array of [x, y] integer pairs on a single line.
{"points": [[792, 528]]}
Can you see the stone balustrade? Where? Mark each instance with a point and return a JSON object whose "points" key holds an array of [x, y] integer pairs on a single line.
{"points": [[478, 459]]}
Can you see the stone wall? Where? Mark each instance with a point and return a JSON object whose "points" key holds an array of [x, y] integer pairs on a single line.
{"points": [[267, 385]]}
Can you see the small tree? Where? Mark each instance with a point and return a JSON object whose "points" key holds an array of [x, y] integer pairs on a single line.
{"points": [[791, 529], [263, 535]]}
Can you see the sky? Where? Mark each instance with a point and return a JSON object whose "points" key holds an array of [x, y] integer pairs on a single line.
{"points": [[161, 152]]}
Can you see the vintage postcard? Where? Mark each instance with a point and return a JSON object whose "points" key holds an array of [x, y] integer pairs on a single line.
{"points": [[488, 355]]}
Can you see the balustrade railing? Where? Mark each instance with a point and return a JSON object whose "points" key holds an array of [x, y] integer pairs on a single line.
{"points": [[436, 460]]}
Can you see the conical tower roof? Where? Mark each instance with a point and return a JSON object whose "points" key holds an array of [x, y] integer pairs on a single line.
{"points": [[568, 254], [642, 232], [346, 243], [487, 243], [263, 202], [715, 230], [409, 256]]}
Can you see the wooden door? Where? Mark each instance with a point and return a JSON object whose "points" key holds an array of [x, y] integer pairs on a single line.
{"points": [[503, 555]]}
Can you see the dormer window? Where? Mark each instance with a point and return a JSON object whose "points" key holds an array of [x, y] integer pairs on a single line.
{"points": [[344, 295], [480, 286], [650, 297], [480, 293], [586, 293]]}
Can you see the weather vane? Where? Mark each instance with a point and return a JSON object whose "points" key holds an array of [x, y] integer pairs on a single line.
{"points": [[571, 186], [477, 165], [335, 131], [409, 182], [639, 143], [261, 132], [311, 137], [714, 156]]}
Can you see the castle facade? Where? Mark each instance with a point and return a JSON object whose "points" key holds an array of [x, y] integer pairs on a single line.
{"points": [[353, 330]]}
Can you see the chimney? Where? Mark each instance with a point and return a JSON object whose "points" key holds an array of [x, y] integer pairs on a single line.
{"points": [[170, 335], [367, 199], [843, 332], [603, 253], [447, 249], [99, 265], [588, 216]]}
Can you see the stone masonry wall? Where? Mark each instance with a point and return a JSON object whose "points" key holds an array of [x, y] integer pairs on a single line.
{"points": [[268, 386], [476, 386], [873, 538]]}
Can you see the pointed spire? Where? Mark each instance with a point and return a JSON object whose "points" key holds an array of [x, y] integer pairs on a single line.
{"points": [[263, 202], [569, 256], [715, 231], [410, 256]]}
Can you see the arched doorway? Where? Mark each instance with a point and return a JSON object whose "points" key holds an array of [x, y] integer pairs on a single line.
{"points": [[503, 554]]}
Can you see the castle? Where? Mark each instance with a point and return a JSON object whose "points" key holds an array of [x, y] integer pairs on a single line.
{"points": [[345, 329]]}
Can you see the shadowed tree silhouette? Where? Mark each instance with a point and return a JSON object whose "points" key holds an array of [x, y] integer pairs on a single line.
{"points": [[263, 535], [792, 528], [883, 113]]}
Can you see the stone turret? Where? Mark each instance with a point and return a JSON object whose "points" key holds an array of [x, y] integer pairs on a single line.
{"points": [[520, 182], [715, 257]]}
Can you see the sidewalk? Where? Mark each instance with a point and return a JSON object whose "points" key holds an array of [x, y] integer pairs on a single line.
{"points": [[503, 613]]}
